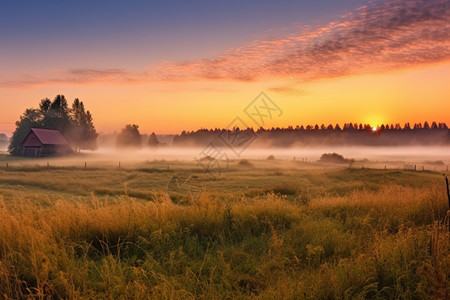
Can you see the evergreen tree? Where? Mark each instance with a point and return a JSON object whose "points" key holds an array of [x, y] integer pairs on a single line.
{"points": [[57, 115], [45, 104], [83, 134], [153, 140]]}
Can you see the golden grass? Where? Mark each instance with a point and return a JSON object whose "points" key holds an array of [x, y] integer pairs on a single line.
{"points": [[388, 243]]}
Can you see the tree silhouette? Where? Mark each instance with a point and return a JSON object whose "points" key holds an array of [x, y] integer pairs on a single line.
{"points": [[352, 134], [75, 124], [83, 135], [153, 140], [129, 137], [57, 115]]}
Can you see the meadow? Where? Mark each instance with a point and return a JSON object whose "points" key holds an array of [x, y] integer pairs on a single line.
{"points": [[263, 229]]}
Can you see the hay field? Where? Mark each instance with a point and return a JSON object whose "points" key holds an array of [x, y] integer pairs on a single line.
{"points": [[263, 229]]}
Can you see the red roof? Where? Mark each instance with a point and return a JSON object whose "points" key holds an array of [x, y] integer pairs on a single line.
{"points": [[47, 136]]}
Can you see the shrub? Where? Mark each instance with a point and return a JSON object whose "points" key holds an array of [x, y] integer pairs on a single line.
{"points": [[333, 158], [245, 163]]}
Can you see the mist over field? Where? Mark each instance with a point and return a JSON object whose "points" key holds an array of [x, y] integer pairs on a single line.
{"points": [[430, 158], [4, 141], [259, 149], [406, 153], [435, 157]]}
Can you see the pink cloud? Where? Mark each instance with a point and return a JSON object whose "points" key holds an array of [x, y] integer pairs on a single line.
{"points": [[380, 37]]}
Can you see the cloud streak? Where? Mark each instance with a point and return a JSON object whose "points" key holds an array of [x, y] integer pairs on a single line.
{"points": [[76, 76], [391, 35], [381, 37]]}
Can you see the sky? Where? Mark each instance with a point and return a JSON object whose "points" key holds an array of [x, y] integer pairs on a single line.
{"points": [[170, 66]]}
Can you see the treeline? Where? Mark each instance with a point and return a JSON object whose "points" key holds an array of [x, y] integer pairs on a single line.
{"points": [[131, 138], [75, 123], [349, 134]]}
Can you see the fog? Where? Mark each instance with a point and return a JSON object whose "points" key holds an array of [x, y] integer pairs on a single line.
{"points": [[432, 157], [309, 154]]}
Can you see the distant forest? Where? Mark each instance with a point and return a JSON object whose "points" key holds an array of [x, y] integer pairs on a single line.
{"points": [[349, 134]]}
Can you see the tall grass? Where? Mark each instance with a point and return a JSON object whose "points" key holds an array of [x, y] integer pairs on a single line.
{"points": [[384, 244]]}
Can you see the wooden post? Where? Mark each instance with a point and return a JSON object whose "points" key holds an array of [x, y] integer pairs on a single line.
{"points": [[448, 198], [414, 167], [85, 165], [448, 192], [7, 166], [48, 165], [119, 164]]}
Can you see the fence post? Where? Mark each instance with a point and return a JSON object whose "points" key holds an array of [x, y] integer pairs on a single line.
{"points": [[448, 198], [85, 165], [7, 166], [448, 192]]}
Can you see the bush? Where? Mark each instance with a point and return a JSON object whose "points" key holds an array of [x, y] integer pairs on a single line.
{"points": [[333, 158], [245, 163]]}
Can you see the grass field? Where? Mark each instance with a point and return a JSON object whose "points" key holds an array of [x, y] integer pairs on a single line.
{"points": [[264, 229]]}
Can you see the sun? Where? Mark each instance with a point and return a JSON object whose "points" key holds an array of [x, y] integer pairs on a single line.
{"points": [[374, 128]]}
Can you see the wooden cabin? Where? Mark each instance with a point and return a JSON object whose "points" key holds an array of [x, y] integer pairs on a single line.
{"points": [[44, 142]]}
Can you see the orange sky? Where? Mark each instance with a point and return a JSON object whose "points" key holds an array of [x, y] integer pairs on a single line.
{"points": [[413, 95], [351, 68]]}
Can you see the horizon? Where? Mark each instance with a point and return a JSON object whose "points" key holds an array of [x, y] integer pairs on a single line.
{"points": [[312, 126], [169, 70]]}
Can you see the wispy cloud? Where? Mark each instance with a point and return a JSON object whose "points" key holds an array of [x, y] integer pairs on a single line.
{"points": [[75, 76], [380, 37], [287, 90], [383, 36]]}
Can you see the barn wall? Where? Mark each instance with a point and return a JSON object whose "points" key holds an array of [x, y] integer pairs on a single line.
{"points": [[32, 151], [54, 150]]}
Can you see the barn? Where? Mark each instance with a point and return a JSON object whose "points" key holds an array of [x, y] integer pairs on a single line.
{"points": [[44, 142]]}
